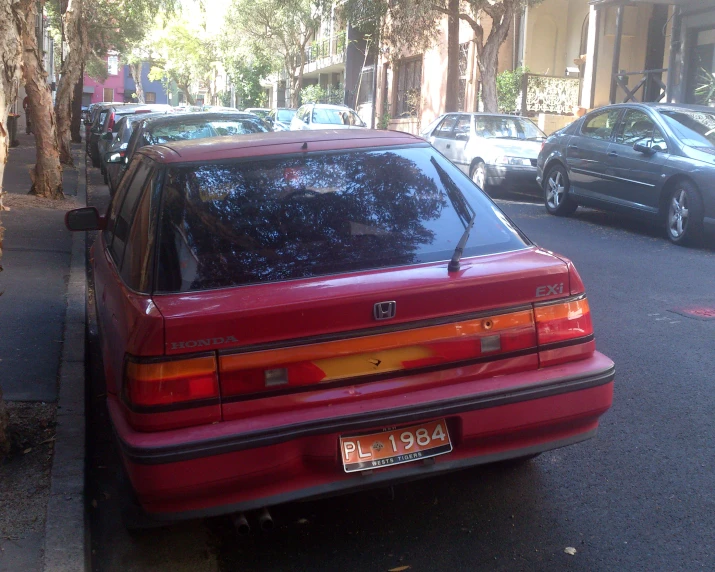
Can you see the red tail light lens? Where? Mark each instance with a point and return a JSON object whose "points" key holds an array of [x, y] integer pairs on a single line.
{"points": [[563, 321], [110, 125], [189, 382], [564, 331]]}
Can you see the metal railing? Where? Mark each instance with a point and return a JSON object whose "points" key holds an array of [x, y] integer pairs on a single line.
{"points": [[549, 94], [325, 48], [651, 85]]}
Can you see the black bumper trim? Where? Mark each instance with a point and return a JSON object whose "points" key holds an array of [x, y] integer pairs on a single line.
{"points": [[364, 481], [272, 436]]}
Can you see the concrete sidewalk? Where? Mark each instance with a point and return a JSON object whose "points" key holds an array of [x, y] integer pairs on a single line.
{"points": [[42, 346]]}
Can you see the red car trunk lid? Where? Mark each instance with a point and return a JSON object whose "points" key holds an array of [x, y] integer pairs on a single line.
{"points": [[281, 311]]}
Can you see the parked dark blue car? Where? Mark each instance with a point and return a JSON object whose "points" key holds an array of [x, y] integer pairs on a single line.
{"points": [[654, 161]]}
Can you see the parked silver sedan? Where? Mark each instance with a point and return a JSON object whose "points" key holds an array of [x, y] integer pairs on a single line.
{"points": [[494, 150]]}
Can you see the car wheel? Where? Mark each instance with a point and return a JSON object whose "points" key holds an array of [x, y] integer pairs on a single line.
{"points": [[556, 192], [479, 174], [684, 217], [106, 179], [95, 161]]}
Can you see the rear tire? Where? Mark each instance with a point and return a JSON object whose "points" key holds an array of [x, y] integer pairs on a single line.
{"points": [[684, 214], [556, 192]]}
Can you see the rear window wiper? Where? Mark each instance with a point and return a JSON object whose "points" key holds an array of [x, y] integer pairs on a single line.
{"points": [[463, 209]]}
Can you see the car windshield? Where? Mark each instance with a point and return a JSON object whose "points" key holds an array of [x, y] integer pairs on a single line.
{"points": [[694, 128], [507, 128], [202, 129], [332, 116], [264, 220], [285, 115]]}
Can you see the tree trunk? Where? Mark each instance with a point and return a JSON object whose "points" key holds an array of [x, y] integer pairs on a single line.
{"points": [[71, 71], [46, 176], [488, 73], [10, 58], [189, 98], [77, 108], [136, 71], [451, 100], [488, 54]]}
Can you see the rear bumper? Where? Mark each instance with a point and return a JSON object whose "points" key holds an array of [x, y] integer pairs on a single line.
{"points": [[511, 176], [535, 411]]}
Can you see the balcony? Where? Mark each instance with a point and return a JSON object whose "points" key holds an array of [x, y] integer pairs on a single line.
{"points": [[325, 53]]}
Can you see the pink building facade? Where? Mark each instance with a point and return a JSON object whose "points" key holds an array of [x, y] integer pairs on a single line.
{"points": [[111, 89]]}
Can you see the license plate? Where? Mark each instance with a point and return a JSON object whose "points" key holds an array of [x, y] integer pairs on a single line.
{"points": [[394, 446]]}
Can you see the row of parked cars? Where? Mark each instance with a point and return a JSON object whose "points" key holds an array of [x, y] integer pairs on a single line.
{"points": [[290, 315], [650, 161], [115, 131]]}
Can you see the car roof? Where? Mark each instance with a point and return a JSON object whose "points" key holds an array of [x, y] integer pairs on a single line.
{"points": [[276, 143], [330, 106], [161, 120]]}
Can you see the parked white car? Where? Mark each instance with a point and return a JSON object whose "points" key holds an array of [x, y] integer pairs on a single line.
{"points": [[326, 116], [494, 150]]}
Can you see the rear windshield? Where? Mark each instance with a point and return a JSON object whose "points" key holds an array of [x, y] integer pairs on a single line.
{"points": [[258, 221], [285, 115], [192, 129], [694, 128], [331, 116]]}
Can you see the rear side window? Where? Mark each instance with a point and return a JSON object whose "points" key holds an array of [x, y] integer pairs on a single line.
{"points": [[600, 126], [266, 220], [126, 213]]}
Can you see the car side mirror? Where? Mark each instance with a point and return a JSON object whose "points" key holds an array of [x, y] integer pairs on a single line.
{"points": [[114, 157], [86, 218], [643, 149]]}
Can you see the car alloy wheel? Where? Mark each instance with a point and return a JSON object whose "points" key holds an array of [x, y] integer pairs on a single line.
{"points": [[479, 175], [555, 189], [684, 214], [678, 214]]}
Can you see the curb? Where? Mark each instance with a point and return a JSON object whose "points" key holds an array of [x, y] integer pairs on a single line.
{"points": [[65, 537]]}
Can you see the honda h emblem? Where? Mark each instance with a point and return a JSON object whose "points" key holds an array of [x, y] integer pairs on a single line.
{"points": [[384, 310]]}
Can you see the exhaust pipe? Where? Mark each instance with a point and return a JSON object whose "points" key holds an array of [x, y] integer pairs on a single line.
{"points": [[265, 520], [240, 523]]}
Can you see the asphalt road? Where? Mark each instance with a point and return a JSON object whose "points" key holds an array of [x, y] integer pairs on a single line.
{"points": [[640, 496]]}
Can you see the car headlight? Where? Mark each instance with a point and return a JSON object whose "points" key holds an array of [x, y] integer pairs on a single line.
{"points": [[513, 161]]}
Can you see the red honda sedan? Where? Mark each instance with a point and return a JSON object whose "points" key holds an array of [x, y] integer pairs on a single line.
{"points": [[290, 315]]}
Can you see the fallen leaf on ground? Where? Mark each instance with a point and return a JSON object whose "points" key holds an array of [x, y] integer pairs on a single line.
{"points": [[570, 550], [303, 521], [399, 569], [26, 451]]}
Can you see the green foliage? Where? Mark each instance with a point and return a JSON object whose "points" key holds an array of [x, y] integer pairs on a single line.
{"points": [[184, 56], [384, 121], [509, 89], [246, 72], [318, 94]]}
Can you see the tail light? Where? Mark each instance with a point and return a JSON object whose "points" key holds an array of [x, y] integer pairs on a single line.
{"points": [[564, 331], [243, 374], [175, 393], [110, 125]]}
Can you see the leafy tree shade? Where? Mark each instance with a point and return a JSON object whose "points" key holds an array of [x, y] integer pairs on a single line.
{"points": [[280, 27], [412, 26], [184, 57]]}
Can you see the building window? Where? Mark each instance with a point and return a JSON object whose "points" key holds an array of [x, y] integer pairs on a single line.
{"points": [[366, 81], [113, 65], [463, 55], [409, 88], [149, 97]]}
